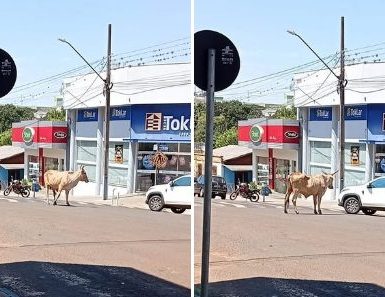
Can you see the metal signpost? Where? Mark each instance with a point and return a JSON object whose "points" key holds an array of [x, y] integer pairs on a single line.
{"points": [[216, 66]]}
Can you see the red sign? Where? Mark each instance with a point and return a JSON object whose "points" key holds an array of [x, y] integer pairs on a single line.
{"points": [[272, 134], [48, 134]]}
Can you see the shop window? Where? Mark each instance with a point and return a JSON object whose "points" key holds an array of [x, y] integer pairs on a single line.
{"points": [[117, 176], [355, 154], [185, 147], [51, 163], [86, 150], [118, 153], [353, 177], [320, 152]]}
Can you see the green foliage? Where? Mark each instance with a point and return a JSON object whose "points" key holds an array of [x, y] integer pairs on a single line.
{"points": [[10, 114], [55, 115], [6, 138], [227, 115], [285, 112], [228, 137]]}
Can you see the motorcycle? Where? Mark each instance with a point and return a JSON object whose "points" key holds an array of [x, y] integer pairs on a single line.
{"points": [[17, 187], [243, 189]]}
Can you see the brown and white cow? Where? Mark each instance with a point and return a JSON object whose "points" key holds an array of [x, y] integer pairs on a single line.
{"points": [[302, 184], [58, 181]]}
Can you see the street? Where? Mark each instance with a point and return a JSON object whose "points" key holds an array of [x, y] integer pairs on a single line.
{"points": [[92, 250], [257, 250]]}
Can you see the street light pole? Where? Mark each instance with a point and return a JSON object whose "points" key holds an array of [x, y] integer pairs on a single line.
{"points": [[341, 87], [107, 90]]}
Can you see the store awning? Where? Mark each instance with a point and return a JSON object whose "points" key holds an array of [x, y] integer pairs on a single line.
{"points": [[12, 166], [239, 167]]}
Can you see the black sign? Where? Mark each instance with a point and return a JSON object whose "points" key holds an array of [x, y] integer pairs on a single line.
{"points": [[8, 73], [227, 61]]}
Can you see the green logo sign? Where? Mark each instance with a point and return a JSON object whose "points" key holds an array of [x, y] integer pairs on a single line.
{"points": [[256, 133], [28, 134]]}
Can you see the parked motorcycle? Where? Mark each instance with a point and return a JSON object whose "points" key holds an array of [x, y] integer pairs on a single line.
{"points": [[243, 189], [17, 187]]}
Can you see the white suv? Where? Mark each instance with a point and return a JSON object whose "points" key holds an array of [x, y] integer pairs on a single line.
{"points": [[369, 197], [177, 195]]}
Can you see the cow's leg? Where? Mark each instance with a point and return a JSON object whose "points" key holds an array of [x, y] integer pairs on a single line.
{"points": [[287, 198], [67, 192], [296, 194], [319, 204], [315, 203], [59, 191], [47, 194], [54, 197]]}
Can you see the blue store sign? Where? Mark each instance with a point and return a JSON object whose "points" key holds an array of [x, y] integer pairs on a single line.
{"points": [[320, 114], [161, 122], [120, 113], [358, 112], [376, 122], [87, 115]]}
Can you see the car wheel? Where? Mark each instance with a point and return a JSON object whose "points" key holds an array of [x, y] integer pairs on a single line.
{"points": [[223, 196], [155, 203], [369, 212], [352, 205], [201, 193], [177, 210]]}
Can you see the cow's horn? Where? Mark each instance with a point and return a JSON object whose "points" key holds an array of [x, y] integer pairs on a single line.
{"points": [[334, 172], [81, 167], [323, 172]]}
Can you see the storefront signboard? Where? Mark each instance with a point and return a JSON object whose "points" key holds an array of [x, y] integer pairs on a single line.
{"points": [[120, 113], [320, 114], [163, 122], [87, 115], [355, 112], [376, 123]]}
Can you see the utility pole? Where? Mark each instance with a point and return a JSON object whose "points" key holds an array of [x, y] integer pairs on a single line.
{"points": [[107, 88], [342, 84]]}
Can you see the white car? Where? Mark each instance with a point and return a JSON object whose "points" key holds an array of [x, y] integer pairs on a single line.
{"points": [[368, 197], [177, 195]]}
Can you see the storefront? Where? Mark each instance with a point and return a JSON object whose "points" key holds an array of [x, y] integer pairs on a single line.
{"points": [[44, 144], [274, 145]]}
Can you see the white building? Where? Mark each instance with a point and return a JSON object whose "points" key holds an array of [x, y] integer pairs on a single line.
{"points": [[317, 99], [150, 110]]}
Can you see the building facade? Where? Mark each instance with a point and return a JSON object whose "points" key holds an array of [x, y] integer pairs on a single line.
{"points": [[319, 114], [144, 119]]}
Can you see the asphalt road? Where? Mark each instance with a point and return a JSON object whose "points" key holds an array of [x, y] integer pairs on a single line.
{"points": [[92, 250], [257, 250]]}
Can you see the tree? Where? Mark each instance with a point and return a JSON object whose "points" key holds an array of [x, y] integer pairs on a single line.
{"points": [[286, 112], [55, 115], [227, 138], [10, 114], [5, 138]]}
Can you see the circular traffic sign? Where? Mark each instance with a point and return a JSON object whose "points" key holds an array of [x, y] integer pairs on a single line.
{"points": [[8, 73], [227, 62]]}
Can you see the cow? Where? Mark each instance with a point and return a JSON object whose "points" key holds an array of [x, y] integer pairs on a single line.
{"points": [[300, 183], [58, 181]]}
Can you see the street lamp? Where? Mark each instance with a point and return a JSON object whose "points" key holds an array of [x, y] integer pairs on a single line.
{"points": [[107, 88], [342, 84]]}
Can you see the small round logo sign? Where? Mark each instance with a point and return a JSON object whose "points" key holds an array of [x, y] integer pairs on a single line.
{"points": [[28, 134], [256, 133]]}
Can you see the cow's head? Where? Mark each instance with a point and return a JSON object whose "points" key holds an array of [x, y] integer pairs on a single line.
{"points": [[329, 178], [83, 174]]}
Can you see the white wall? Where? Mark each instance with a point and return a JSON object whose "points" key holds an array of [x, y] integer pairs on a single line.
{"points": [[153, 84], [318, 84]]}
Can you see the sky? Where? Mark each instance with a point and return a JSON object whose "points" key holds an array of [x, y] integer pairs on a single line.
{"points": [[258, 30], [31, 28]]}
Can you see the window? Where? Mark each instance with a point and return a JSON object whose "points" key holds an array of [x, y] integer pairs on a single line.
{"points": [[87, 150], [182, 182], [320, 152], [379, 183]]}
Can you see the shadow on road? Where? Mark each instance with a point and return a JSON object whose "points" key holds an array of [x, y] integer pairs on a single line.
{"points": [[278, 287], [56, 279]]}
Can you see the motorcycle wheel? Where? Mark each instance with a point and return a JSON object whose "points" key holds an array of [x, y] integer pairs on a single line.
{"points": [[7, 191], [25, 192], [254, 197], [233, 195]]}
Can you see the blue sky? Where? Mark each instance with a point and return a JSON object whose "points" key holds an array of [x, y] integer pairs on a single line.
{"points": [[30, 29], [258, 29]]}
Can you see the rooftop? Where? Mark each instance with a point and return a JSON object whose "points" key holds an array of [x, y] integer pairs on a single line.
{"points": [[7, 151], [231, 152]]}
